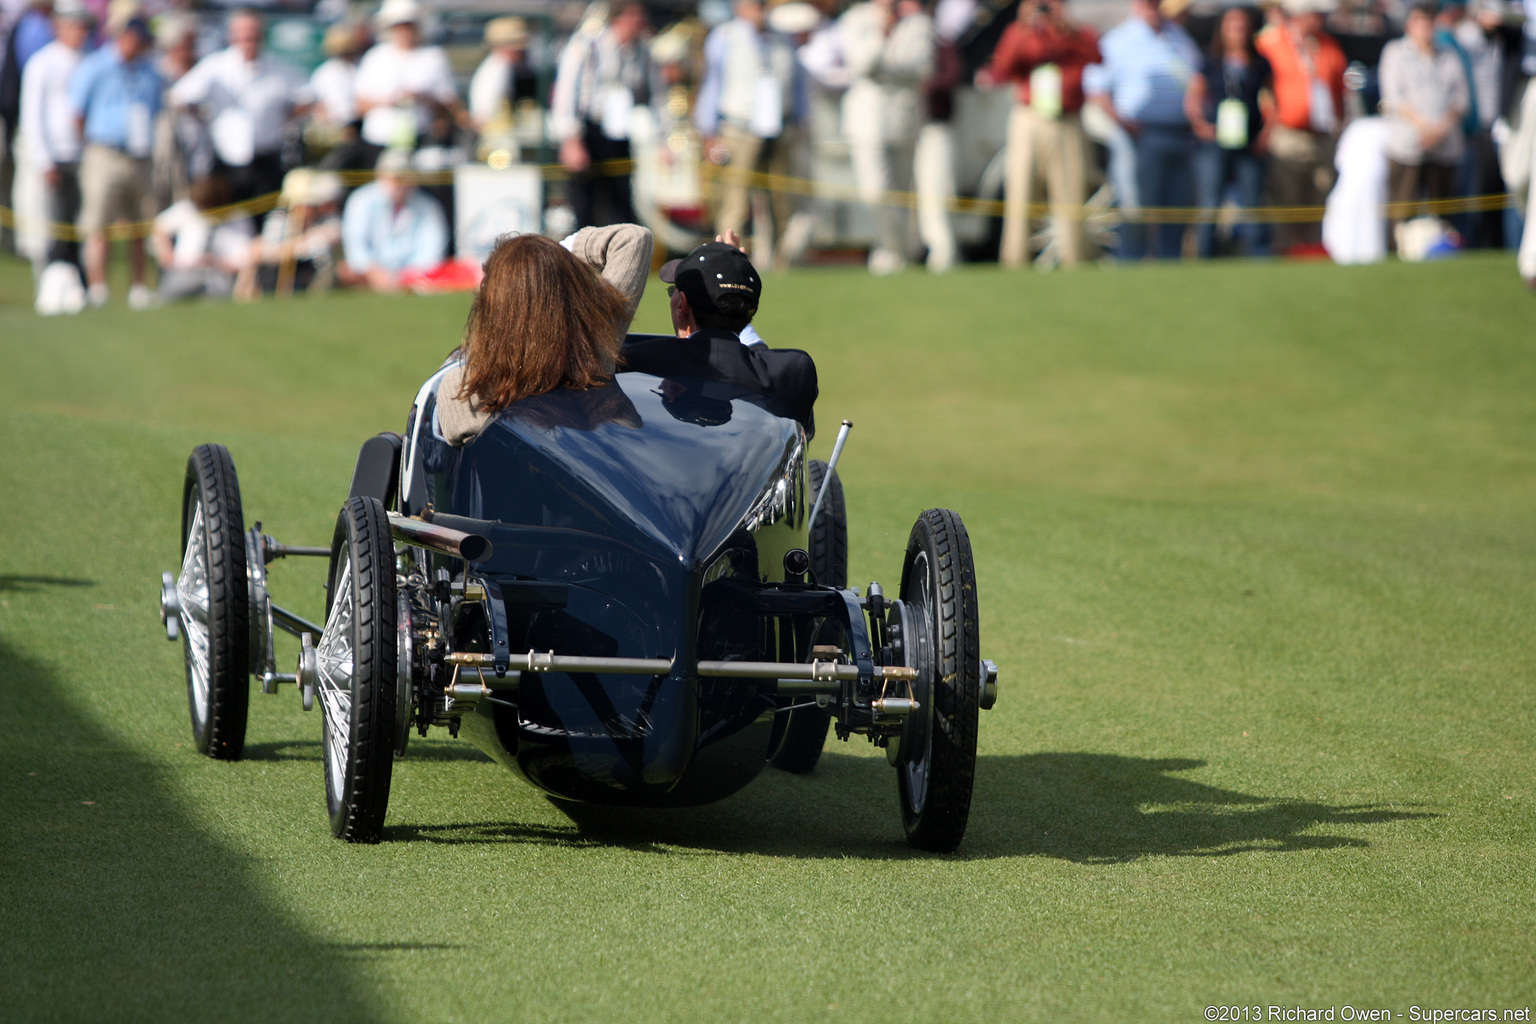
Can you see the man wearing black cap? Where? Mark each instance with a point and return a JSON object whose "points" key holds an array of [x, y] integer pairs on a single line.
{"points": [[714, 295]]}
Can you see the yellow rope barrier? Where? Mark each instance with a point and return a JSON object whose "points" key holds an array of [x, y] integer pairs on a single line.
{"points": [[788, 185]]}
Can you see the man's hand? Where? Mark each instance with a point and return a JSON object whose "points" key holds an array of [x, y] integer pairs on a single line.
{"points": [[731, 238], [574, 156], [717, 152], [52, 177]]}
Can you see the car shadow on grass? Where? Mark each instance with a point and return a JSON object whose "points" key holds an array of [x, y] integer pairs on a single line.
{"points": [[1081, 807], [116, 906], [313, 750], [25, 584]]}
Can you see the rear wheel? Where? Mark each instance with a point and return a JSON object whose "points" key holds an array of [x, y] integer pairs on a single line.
{"points": [[358, 665], [937, 766], [805, 731], [213, 593]]}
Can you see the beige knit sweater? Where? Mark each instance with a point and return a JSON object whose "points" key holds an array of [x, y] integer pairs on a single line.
{"points": [[622, 255]]}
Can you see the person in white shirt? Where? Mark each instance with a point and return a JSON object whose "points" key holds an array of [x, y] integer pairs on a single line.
{"points": [[752, 96], [889, 47], [602, 77], [504, 77], [246, 97], [401, 85], [334, 83], [50, 135]]}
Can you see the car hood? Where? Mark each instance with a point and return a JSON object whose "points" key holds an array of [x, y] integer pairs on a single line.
{"points": [[671, 467]]}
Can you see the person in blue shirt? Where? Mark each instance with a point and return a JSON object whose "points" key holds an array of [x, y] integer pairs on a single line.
{"points": [[115, 93], [1148, 61], [389, 226]]}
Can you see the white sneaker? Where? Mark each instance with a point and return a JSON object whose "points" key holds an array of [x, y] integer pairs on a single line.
{"points": [[140, 298], [883, 262], [59, 290], [97, 295]]}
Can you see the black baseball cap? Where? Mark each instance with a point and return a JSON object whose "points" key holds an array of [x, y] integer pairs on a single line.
{"points": [[712, 270]]}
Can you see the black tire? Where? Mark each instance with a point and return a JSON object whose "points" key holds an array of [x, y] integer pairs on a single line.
{"points": [[357, 659], [937, 768], [804, 733], [829, 533], [215, 600]]}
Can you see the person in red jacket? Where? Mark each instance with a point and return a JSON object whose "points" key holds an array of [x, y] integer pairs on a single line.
{"points": [[1044, 54]]}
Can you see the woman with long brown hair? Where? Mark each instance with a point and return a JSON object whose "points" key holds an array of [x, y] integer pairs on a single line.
{"points": [[547, 316]]}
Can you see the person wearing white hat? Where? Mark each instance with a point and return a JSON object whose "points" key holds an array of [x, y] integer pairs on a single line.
{"points": [[401, 84], [505, 76], [246, 97]]}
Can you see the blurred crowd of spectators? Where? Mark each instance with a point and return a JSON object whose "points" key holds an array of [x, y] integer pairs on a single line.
{"points": [[112, 116]]}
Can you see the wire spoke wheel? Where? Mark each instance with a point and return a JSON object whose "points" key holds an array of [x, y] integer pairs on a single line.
{"points": [[937, 766], [357, 661], [213, 594]]}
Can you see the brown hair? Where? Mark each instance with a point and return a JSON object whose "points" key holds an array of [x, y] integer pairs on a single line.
{"points": [[542, 320]]}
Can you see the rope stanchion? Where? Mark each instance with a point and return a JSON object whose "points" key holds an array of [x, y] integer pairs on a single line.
{"points": [[712, 176], [786, 185], [261, 204]]}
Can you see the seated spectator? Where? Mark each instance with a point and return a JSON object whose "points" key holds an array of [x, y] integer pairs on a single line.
{"points": [[199, 254], [299, 239], [390, 226]]}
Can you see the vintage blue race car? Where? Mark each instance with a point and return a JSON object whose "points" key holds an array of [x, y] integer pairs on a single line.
{"points": [[635, 594]]}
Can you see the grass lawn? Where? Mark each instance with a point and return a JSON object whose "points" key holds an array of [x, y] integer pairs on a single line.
{"points": [[1255, 548]]}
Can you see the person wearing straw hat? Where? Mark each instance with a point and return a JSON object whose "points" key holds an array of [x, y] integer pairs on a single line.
{"points": [[334, 82], [505, 76], [402, 85]]}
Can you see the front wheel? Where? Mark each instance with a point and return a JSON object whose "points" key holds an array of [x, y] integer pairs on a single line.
{"points": [[358, 665], [212, 591], [937, 765]]}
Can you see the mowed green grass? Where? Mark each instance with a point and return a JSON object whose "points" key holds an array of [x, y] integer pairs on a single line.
{"points": [[1255, 546]]}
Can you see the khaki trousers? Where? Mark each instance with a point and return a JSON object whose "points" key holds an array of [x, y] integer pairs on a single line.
{"points": [[1056, 151], [749, 155]]}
